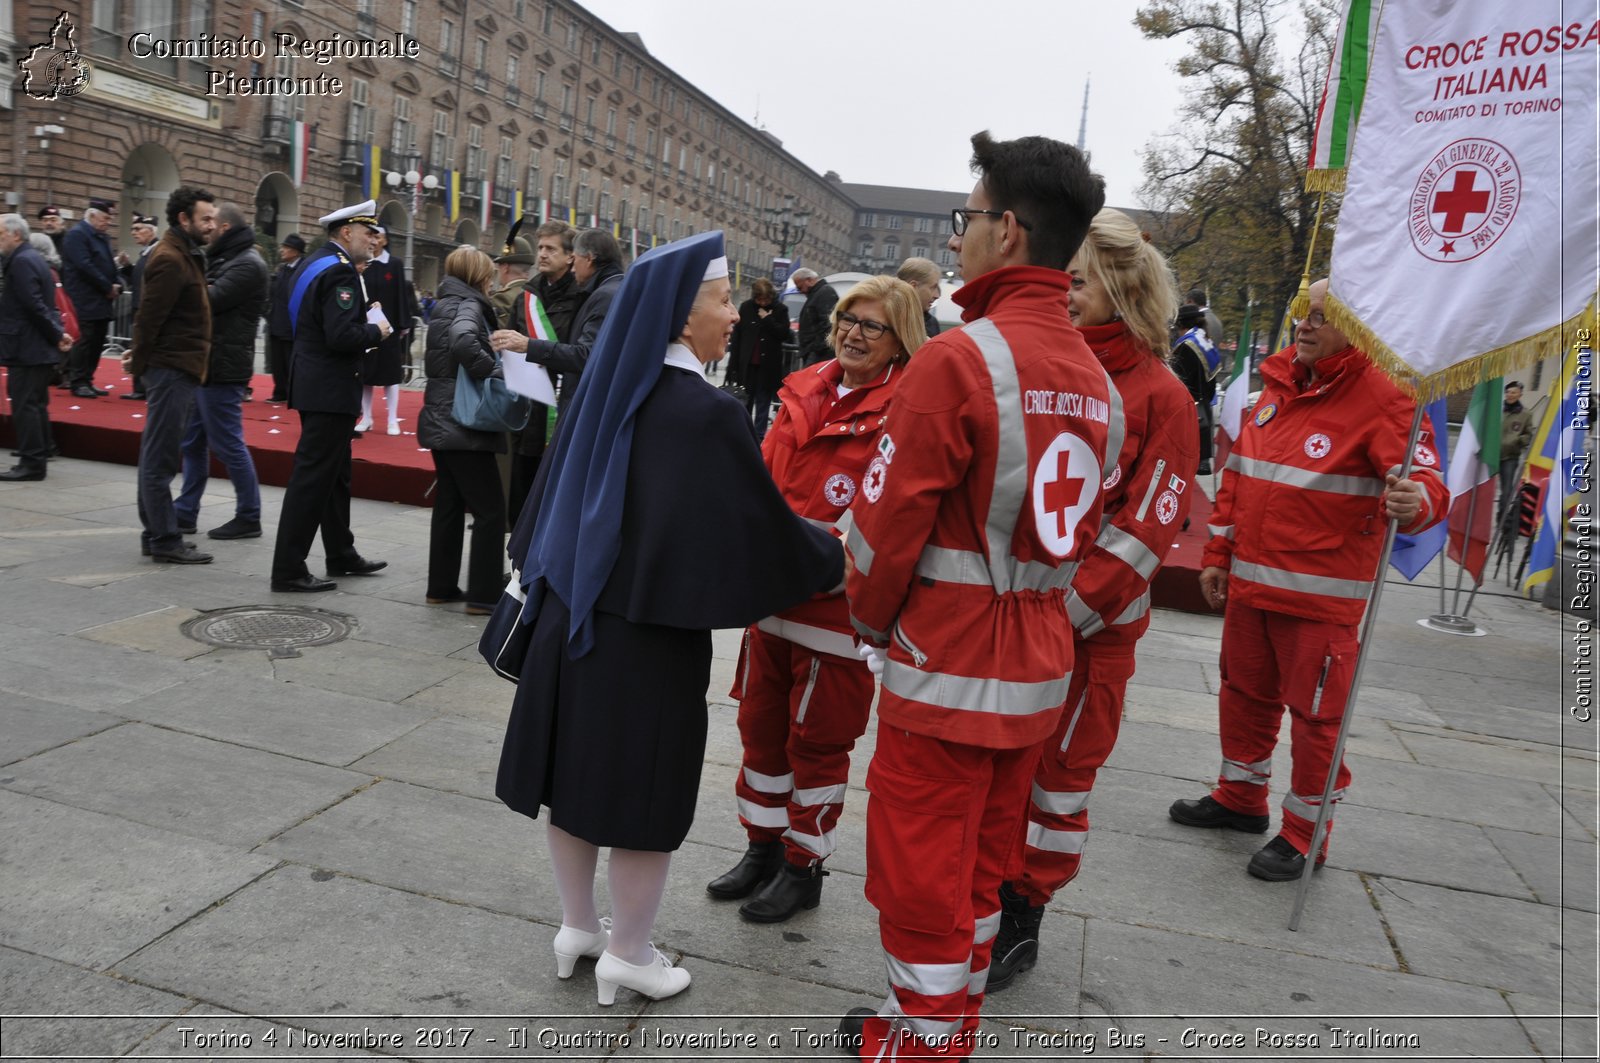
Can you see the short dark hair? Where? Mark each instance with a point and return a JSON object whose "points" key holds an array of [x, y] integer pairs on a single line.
{"points": [[1513, 384], [599, 245], [1197, 296], [1047, 184], [231, 216], [557, 228], [182, 201]]}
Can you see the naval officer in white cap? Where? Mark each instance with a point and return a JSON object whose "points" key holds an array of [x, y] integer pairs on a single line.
{"points": [[328, 313]]}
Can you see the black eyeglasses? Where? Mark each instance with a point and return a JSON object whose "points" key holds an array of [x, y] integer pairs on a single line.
{"points": [[961, 215], [869, 328]]}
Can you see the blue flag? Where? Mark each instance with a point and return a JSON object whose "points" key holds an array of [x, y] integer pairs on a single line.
{"points": [[1562, 446], [1412, 553]]}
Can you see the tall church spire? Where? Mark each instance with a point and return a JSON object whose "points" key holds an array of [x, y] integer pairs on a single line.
{"points": [[1083, 121]]}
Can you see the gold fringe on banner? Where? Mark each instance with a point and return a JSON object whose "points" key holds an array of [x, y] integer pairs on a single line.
{"points": [[1462, 375], [1331, 180]]}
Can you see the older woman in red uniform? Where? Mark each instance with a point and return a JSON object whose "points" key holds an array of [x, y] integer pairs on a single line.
{"points": [[804, 693]]}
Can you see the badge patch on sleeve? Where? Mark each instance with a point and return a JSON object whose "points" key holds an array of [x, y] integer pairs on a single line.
{"points": [[886, 448], [872, 482], [346, 297]]}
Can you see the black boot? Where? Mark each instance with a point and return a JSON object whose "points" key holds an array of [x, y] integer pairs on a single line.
{"points": [[1016, 944], [759, 862], [785, 893]]}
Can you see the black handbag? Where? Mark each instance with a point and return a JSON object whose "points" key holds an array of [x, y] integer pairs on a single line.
{"points": [[504, 642]]}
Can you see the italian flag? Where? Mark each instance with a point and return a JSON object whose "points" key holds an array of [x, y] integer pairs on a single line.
{"points": [[537, 320], [299, 153], [1234, 396], [1474, 467], [1341, 97]]}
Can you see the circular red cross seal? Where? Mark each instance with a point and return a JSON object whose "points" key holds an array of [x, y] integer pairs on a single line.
{"points": [[1465, 199], [1114, 479], [840, 489], [1318, 445], [1166, 507], [872, 482], [1426, 456]]}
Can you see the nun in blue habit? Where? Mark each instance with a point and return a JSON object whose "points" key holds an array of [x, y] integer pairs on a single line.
{"points": [[651, 468]]}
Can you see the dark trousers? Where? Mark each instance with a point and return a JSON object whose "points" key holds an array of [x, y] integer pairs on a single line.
{"points": [[524, 470], [84, 358], [278, 352], [215, 428], [468, 480], [318, 495], [760, 406], [1207, 431], [28, 387], [171, 397]]}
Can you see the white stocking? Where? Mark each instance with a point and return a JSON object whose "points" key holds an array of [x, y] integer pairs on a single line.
{"points": [[366, 404], [573, 860], [638, 879], [391, 402]]}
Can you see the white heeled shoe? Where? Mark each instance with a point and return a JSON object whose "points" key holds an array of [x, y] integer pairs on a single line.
{"points": [[657, 979], [394, 428], [571, 943], [364, 425]]}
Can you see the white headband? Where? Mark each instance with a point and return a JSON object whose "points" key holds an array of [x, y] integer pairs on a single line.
{"points": [[716, 269]]}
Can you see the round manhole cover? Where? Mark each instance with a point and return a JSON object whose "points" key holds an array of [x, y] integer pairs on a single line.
{"points": [[281, 630]]}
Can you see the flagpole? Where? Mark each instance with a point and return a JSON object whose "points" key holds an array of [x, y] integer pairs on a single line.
{"points": [[1369, 627]]}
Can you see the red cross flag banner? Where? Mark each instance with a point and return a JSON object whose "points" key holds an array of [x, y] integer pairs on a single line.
{"points": [[1467, 243]]}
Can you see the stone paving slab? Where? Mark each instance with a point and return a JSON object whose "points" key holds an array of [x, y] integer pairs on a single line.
{"points": [[324, 726], [474, 692], [1448, 793], [183, 783], [365, 669], [158, 632], [1490, 755], [1581, 808], [1491, 941], [50, 606], [31, 726], [1558, 871], [56, 992], [1423, 849], [1559, 1030], [79, 672], [449, 753], [109, 892], [416, 627]]}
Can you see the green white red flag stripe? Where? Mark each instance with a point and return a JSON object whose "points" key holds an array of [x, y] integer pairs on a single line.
{"points": [[1474, 468], [1235, 395], [299, 153], [1341, 96], [538, 321]]}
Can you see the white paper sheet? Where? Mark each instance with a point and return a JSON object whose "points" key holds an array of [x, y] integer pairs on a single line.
{"points": [[528, 378], [375, 316]]}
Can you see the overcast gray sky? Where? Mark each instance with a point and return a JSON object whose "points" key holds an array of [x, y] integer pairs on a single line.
{"points": [[893, 90]]}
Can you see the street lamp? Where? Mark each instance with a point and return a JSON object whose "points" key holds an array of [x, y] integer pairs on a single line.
{"points": [[782, 222], [418, 185]]}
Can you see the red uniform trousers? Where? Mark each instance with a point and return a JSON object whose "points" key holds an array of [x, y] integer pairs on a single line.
{"points": [[1270, 660], [800, 713], [1058, 811], [944, 829]]}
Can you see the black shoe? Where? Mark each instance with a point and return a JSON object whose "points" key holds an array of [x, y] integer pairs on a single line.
{"points": [[237, 528], [850, 1031], [139, 395], [185, 554], [1204, 469], [1016, 943], [1208, 812], [22, 472], [759, 863], [84, 391], [354, 565], [187, 529], [277, 398], [1280, 861], [307, 584], [791, 890]]}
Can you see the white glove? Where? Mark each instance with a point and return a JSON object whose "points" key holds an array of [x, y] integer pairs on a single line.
{"points": [[875, 656]]}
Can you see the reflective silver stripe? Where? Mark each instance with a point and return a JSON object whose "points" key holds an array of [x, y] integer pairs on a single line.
{"points": [[1060, 803], [769, 784], [860, 549], [1362, 486], [1056, 841], [970, 568], [978, 982], [934, 1031], [870, 634], [1129, 549], [1256, 774], [762, 816], [1306, 807], [929, 979], [820, 846], [985, 929], [1084, 619], [1135, 610], [970, 694], [1224, 530], [1150, 492], [820, 795], [820, 639], [1116, 429], [1077, 711], [1283, 579], [1011, 449], [824, 525], [805, 696]]}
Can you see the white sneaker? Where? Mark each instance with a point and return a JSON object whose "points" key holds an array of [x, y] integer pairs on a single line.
{"points": [[364, 425], [571, 943], [394, 428], [657, 979]]}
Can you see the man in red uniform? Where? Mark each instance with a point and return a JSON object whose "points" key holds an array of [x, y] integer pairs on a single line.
{"points": [[985, 487], [1297, 529]]}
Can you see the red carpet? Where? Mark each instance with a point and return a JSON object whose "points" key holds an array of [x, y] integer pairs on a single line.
{"points": [[386, 468], [395, 469]]}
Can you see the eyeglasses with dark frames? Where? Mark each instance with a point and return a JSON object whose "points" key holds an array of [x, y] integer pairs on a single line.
{"points": [[961, 215], [869, 328]]}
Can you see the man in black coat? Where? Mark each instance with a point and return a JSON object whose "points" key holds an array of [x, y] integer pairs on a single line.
{"points": [[816, 316], [89, 274], [280, 332], [31, 338], [328, 309], [236, 283]]}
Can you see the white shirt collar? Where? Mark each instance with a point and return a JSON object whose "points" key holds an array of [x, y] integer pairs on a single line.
{"points": [[383, 257], [683, 358]]}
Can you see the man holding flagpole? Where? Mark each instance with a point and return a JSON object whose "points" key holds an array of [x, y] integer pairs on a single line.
{"points": [[1296, 534]]}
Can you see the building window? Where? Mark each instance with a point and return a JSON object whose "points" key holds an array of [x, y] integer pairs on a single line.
{"points": [[408, 18], [866, 249], [512, 70], [558, 183], [583, 190], [611, 121], [258, 24], [868, 220], [604, 209], [922, 225], [588, 112], [401, 138], [946, 257], [535, 156], [447, 47], [549, 17], [633, 130], [477, 162], [895, 221], [594, 56], [572, 34], [441, 152]]}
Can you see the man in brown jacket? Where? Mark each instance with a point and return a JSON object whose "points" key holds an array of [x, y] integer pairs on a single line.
{"points": [[171, 344]]}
